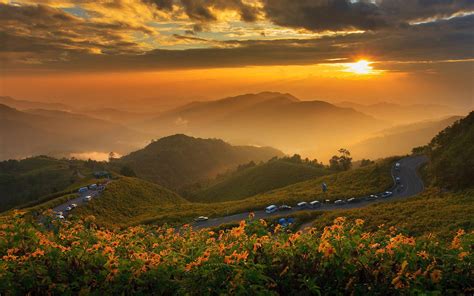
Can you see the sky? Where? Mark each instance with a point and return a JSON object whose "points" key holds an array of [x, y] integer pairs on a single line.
{"points": [[112, 52]]}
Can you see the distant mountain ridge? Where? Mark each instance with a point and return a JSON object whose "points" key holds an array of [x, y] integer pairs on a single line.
{"points": [[24, 104]]}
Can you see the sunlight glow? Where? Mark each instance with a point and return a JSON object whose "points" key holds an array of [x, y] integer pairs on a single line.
{"points": [[361, 67]]}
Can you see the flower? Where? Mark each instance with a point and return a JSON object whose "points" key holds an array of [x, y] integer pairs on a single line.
{"points": [[463, 254], [423, 255], [359, 222], [435, 275]]}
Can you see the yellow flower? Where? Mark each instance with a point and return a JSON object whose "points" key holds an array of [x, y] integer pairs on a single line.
{"points": [[37, 253], [359, 222], [339, 220], [436, 275], [423, 254]]}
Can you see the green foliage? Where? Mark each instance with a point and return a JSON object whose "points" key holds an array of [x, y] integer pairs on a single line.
{"points": [[344, 258], [127, 172], [180, 160], [253, 179], [130, 199], [32, 178], [451, 155], [433, 211], [341, 162]]}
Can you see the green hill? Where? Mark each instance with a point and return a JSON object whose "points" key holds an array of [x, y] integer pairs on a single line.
{"points": [[130, 199], [180, 160], [254, 179], [451, 155], [31, 179]]}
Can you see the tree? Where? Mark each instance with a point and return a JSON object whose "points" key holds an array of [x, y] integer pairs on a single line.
{"points": [[365, 162], [127, 171], [342, 162]]}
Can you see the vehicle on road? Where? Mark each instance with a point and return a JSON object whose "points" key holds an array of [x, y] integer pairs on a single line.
{"points": [[398, 180], [397, 166], [339, 202], [83, 190], [271, 209], [352, 200], [315, 204], [93, 187], [73, 205], [61, 217], [201, 218], [387, 194], [373, 196], [284, 208], [68, 209], [87, 198], [59, 213], [327, 201], [302, 204]]}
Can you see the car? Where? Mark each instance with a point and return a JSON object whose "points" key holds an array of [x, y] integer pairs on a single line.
{"points": [[271, 209], [87, 198], [352, 200], [73, 206], [201, 218], [59, 213], [339, 202], [397, 166], [327, 201], [373, 196], [387, 194], [315, 204], [60, 217], [93, 186], [284, 208], [83, 190], [302, 204], [398, 180], [68, 209]]}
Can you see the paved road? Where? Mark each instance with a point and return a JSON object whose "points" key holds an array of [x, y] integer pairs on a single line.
{"points": [[410, 185], [79, 200]]}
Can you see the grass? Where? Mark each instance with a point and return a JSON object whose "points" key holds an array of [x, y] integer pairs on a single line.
{"points": [[433, 211], [257, 179]]}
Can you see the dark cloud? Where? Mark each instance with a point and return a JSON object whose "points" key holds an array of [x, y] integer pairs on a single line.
{"points": [[320, 15]]}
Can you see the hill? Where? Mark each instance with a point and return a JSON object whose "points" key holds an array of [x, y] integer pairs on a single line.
{"points": [[130, 199], [32, 179], [451, 155], [403, 114], [400, 140], [269, 118], [252, 179], [24, 105], [33, 132], [179, 160]]}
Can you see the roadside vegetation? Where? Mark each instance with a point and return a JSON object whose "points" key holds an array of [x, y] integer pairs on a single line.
{"points": [[346, 257]]}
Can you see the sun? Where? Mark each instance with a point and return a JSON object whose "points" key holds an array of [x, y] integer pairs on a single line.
{"points": [[361, 67]]}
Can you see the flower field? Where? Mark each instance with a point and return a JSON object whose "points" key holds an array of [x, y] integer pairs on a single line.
{"points": [[77, 257]]}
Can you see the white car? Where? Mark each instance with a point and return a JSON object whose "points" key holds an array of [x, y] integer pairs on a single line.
{"points": [[201, 218], [271, 209], [315, 204], [302, 204], [397, 166], [60, 217], [351, 200], [59, 213], [398, 180], [68, 209], [339, 202], [87, 198], [73, 206]]}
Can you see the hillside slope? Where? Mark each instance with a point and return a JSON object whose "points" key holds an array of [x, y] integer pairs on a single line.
{"points": [[128, 199], [260, 178], [180, 160]]}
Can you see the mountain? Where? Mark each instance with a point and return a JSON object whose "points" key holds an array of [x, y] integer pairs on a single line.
{"points": [[254, 178], [400, 140], [116, 115], [269, 118], [33, 132], [451, 155], [180, 160], [24, 105], [403, 114]]}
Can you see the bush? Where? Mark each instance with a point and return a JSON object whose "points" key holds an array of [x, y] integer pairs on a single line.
{"points": [[343, 258]]}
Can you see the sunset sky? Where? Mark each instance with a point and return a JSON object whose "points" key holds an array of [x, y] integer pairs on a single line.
{"points": [[175, 51]]}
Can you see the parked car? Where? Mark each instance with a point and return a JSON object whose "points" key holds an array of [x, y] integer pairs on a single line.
{"points": [[60, 217], [284, 208], [201, 218], [327, 201], [93, 187], [302, 204], [397, 166], [339, 202], [373, 196], [87, 198], [315, 204], [387, 194], [73, 206], [68, 209], [398, 180], [59, 213], [271, 209], [83, 190], [352, 200]]}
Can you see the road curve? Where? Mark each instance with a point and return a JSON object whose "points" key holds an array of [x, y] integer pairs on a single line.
{"points": [[410, 184]]}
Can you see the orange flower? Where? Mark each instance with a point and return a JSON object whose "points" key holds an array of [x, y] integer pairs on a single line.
{"points": [[37, 253], [423, 255], [463, 254], [359, 222], [435, 275]]}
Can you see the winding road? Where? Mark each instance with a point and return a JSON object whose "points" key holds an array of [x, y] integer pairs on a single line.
{"points": [[410, 184]]}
